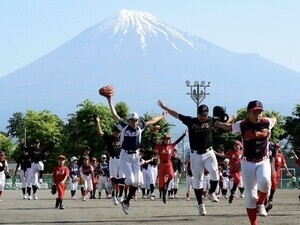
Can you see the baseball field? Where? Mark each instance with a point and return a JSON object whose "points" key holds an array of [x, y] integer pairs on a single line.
{"points": [[15, 210]]}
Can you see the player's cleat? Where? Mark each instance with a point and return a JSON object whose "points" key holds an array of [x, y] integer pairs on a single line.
{"points": [[74, 197], [24, 197], [144, 196], [202, 211], [269, 206], [213, 197], [29, 197], [84, 198], [151, 198], [176, 196], [115, 200], [56, 204], [61, 207], [120, 199], [262, 210], [230, 199], [164, 197], [41, 180], [35, 197], [125, 207], [242, 196]]}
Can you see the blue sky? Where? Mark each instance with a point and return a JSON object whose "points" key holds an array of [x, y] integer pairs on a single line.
{"points": [[33, 28]]}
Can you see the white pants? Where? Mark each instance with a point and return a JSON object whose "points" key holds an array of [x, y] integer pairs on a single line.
{"points": [[102, 183], [35, 168], [73, 185], [114, 168], [188, 184], [88, 182], [130, 165], [207, 160], [146, 179], [152, 170], [2, 180], [256, 176]]}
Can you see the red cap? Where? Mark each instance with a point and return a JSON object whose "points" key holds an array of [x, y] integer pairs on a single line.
{"points": [[238, 143]]}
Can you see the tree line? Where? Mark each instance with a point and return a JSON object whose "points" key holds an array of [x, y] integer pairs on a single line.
{"points": [[79, 131]]}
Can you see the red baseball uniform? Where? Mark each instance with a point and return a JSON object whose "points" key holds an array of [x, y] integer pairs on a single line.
{"points": [[165, 169], [235, 157], [279, 163], [59, 174]]}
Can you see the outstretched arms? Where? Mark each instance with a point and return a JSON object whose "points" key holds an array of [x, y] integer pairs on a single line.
{"points": [[113, 109], [169, 110], [156, 119], [99, 130]]}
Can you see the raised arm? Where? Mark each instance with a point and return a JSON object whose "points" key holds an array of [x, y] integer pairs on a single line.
{"points": [[180, 138], [156, 119], [169, 110], [224, 126], [113, 109], [99, 130]]}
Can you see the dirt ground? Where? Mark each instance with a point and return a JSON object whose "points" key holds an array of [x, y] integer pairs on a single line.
{"points": [[15, 210]]}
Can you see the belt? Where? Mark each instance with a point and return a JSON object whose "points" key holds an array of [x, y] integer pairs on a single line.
{"points": [[153, 165], [201, 152], [130, 151], [115, 157], [256, 160]]}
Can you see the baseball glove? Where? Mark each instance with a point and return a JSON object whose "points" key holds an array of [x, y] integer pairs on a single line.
{"points": [[107, 91], [53, 189], [219, 113]]}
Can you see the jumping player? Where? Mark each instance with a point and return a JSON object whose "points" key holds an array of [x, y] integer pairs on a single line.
{"points": [[165, 169], [256, 167], [131, 135], [202, 154], [114, 148]]}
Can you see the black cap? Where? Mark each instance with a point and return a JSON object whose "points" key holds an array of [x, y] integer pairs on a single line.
{"points": [[255, 105], [202, 109]]}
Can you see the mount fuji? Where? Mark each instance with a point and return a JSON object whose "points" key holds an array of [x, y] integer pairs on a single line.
{"points": [[145, 60]]}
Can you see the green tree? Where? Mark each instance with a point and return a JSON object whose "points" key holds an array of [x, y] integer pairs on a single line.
{"points": [[80, 130], [292, 127], [16, 127], [6, 145]]}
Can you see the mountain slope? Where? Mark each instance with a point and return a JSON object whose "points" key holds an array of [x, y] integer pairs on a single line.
{"points": [[145, 59]]}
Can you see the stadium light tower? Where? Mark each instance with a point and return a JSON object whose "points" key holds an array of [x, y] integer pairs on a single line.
{"points": [[198, 90]]}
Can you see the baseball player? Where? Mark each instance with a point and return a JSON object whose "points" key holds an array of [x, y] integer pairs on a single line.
{"points": [[114, 148], [235, 157], [131, 135], [256, 168], [176, 164], [202, 154], [165, 170], [87, 173], [189, 178], [74, 176], [279, 162], [103, 175], [24, 163], [37, 155], [60, 176], [3, 170]]}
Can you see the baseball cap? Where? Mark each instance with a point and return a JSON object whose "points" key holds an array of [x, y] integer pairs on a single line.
{"points": [[226, 160], [62, 157], [202, 109], [133, 115], [103, 156], [238, 143], [255, 105], [74, 158], [86, 157]]}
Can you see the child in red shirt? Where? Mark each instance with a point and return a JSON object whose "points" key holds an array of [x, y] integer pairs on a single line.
{"points": [[60, 176]]}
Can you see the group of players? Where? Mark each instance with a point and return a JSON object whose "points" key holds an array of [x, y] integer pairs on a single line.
{"points": [[252, 163]]}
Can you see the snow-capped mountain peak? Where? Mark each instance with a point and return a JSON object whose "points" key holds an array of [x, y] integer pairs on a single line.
{"points": [[145, 26]]}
